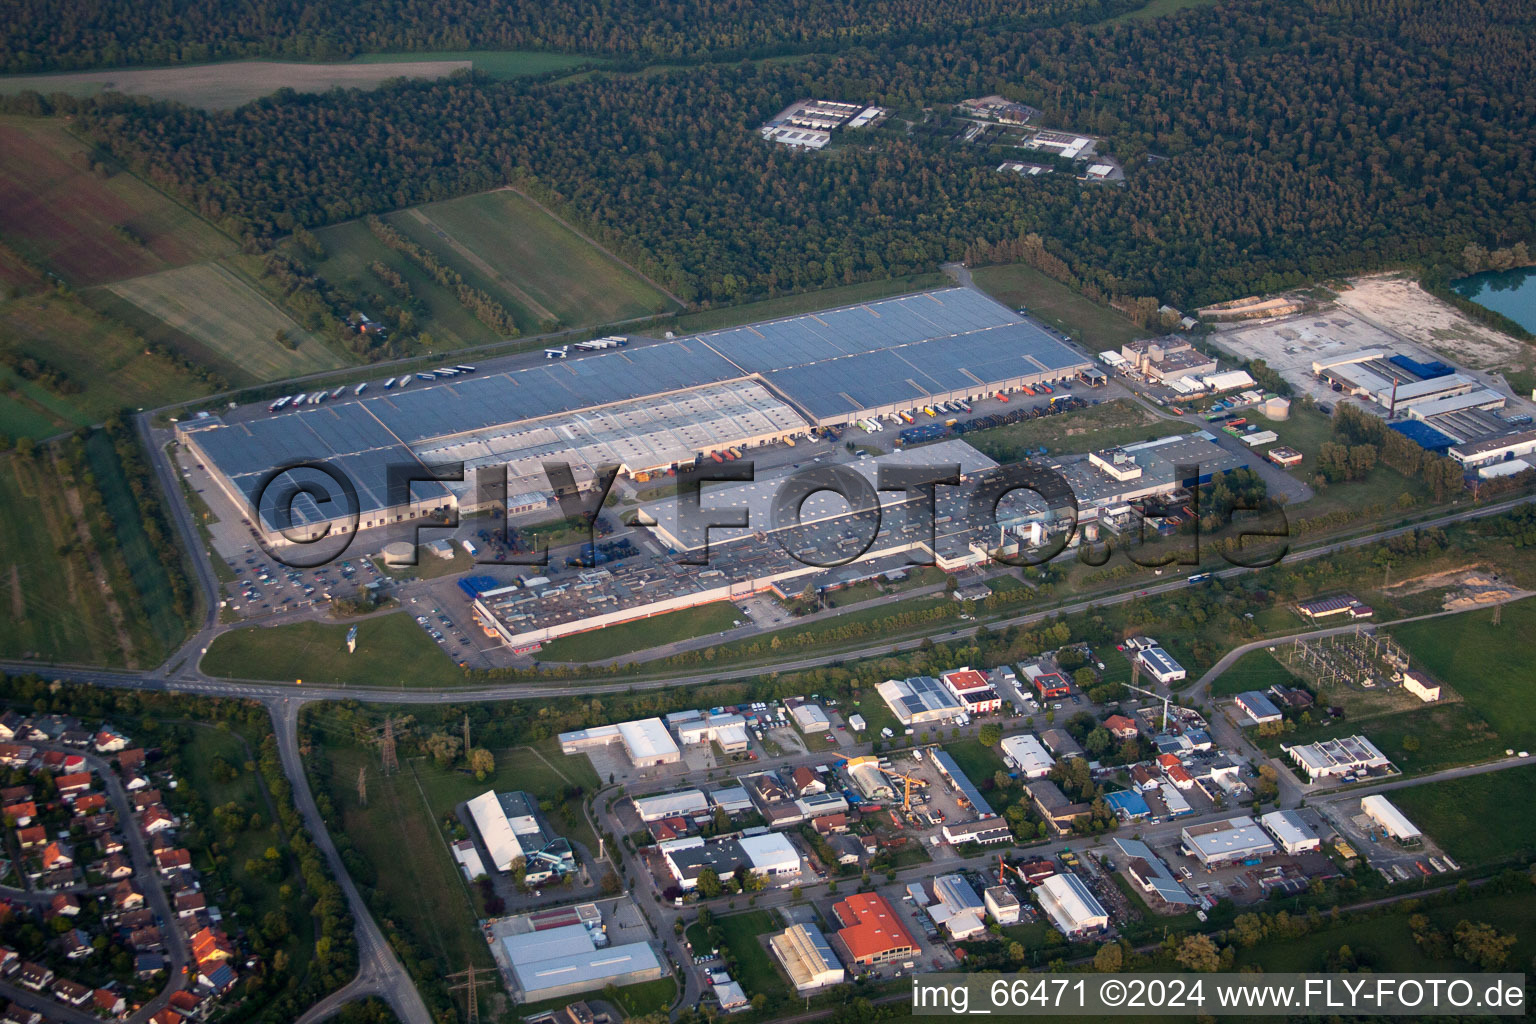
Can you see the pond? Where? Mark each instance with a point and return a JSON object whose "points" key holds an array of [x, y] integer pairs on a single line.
{"points": [[1511, 292]]}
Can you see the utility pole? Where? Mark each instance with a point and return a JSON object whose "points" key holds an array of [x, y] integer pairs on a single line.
{"points": [[362, 786], [391, 762], [468, 986]]}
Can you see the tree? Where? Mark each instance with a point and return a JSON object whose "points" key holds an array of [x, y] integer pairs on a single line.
{"points": [[1198, 953], [611, 884], [1109, 959], [990, 734], [443, 748], [1098, 741], [709, 884], [1016, 952], [1482, 945], [482, 762]]}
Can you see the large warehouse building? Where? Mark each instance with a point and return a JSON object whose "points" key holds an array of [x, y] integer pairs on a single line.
{"points": [[647, 408], [564, 961], [1227, 842]]}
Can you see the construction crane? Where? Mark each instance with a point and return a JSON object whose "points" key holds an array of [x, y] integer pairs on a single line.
{"points": [[1159, 696], [908, 781]]}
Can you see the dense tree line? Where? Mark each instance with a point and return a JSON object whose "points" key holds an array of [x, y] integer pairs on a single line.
{"points": [[1267, 145], [40, 34], [490, 312]]}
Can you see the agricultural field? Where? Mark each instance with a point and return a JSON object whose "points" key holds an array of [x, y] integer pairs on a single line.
{"points": [[226, 324], [1101, 426], [539, 268], [103, 359], [90, 227], [392, 651], [1094, 326], [642, 634], [496, 64], [1470, 818]]}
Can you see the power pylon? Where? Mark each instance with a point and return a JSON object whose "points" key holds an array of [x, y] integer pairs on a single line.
{"points": [[467, 986], [466, 734], [362, 786], [391, 762]]}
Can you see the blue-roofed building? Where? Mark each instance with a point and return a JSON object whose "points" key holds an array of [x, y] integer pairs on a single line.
{"points": [[1128, 805], [1425, 436], [1147, 870], [1159, 664], [967, 790], [1258, 707]]}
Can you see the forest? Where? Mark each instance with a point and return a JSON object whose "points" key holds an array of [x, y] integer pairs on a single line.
{"points": [[41, 35], [1266, 146]]}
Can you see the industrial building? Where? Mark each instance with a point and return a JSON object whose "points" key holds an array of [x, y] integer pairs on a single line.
{"points": [[1071, 906], [1486, 451], [956, 908], [769, 854], [1421, 686], [807, 957], [1258, 707], [512, 829], [646, 741], [983, 832], [871, 930], [973, 689], [1327, 607], [1128, 805], [565, 961], [810, 718], [1384, 813], [965, 790], [1054, 805], [1291, 831], [646, 409], [1026, 754], [1160, 665], [918, 700], [685, 803], [729, 731], [1230, 841], [1148, 872], [1001, 903], [1164, 359], [1345, 755]]}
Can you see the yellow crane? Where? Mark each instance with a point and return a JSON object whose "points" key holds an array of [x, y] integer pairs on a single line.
{"points": [[908, 781]]}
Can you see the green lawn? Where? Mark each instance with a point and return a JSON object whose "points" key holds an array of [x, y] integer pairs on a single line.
{"points": [[1092, 325], [391, 651], [408, 875], [1256, 670], [804, 302], [1474, 818], [1490, 666], [979, 762], [1101, 426], [753, 966], [642, 634], [637, 1000]]}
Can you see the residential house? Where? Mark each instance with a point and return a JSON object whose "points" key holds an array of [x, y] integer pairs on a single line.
{"points": [[147, 965], [167, 861], [34, 976], [156, 819], [827, 824], [22, 813], [126, 897], [32, 837], [1121, 727], [77, 944], [116, 868], [109, 741], [57, 856], [65, 903], [189, 903], [219, 979], [74, 782], [90, 803], [109, 1002]]}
